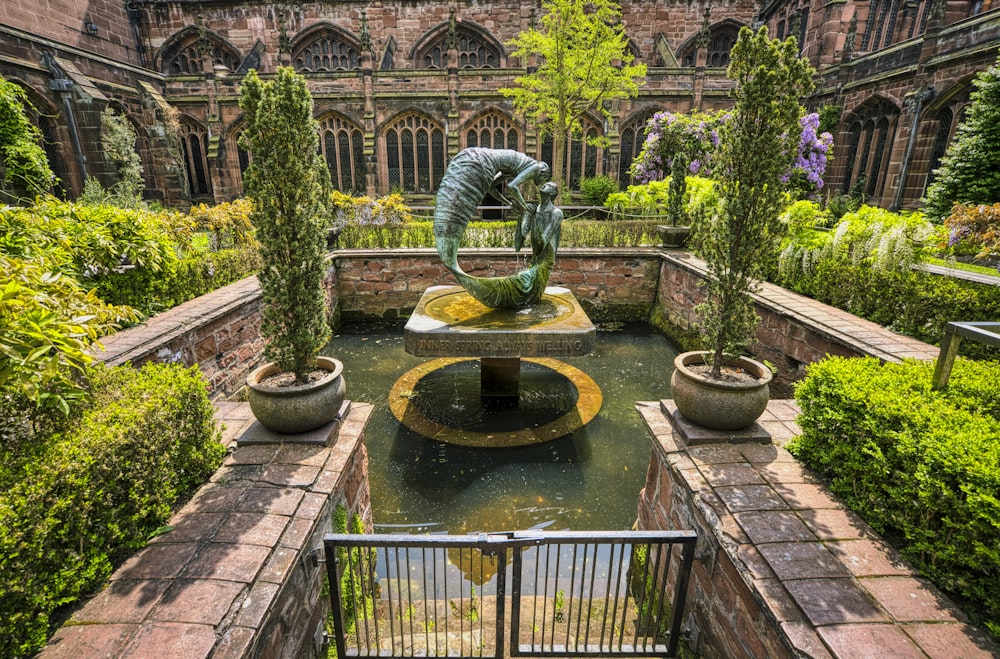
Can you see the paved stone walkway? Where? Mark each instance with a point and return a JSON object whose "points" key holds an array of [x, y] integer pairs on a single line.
{"points": [[836, 588]]}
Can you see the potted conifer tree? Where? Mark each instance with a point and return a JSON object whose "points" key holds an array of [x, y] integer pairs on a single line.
{"points": [[287, 181], [757, 147]]}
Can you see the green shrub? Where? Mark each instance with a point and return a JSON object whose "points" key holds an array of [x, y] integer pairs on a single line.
{"points": [[75, 505], [152, 292], [47, 325], [23, 163], [919, 465], [596, 189]]}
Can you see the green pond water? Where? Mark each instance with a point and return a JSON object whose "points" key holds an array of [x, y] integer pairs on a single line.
{"points": [[585, 481]]}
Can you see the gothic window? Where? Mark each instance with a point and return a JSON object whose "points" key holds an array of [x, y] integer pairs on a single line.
{"points": [[475, 51], [414, 153], [184, 55], [872, 131], [852, 153], [492, 130], [580, 158], [194, 140], [718, 50], [945, 120], [803, 26], [633, 134], [389, 55], [975, 7], [721, 39], [342, 144], [326, 50], [781, 29], [881, 28]]}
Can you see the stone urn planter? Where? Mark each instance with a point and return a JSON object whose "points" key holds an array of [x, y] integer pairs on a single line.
{"points": [[673, 236], [719, 404], [297, 409]]}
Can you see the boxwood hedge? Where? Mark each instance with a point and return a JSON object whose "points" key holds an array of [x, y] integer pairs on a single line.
{"points": [[75, 504], [921, 466]]}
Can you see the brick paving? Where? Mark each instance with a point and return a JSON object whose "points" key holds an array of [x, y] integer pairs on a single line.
{"points": [[215, 584], [836, 588]]}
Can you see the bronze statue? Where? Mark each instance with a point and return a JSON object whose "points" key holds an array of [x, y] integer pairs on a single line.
{"points": [[469, 177]]}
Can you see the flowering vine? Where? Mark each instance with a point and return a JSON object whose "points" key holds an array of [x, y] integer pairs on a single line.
{"points": [[694, 137]]}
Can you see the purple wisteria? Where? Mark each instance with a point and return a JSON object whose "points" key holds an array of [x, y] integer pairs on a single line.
{"points": [[694, 136]]}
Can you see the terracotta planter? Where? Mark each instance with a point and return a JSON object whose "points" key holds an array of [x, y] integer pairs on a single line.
{"points": [[289, 410], [671, 236], [717, 404]]}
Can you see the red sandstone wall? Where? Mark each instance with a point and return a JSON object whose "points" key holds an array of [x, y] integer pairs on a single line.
{"points": [[389, 285], [729, 620]]}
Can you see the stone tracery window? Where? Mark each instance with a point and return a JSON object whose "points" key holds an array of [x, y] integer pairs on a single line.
{"points": [[342, 143], [871, 134], [633, 134], [326, 50], [414, 153], [194, 141], [184, 56], [475, 51], [580, 157], [492, 130], [721, 39]]}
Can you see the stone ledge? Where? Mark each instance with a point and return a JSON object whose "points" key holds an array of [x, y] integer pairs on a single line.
{"points": [[820, 580], [235, 574]]}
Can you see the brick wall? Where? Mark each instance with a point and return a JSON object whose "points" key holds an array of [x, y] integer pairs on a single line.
{"points": [[220, 331], [237, 575]]}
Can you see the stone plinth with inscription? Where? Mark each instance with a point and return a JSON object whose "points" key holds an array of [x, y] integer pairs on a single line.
{"points": [[451, 325], [448, 322]]}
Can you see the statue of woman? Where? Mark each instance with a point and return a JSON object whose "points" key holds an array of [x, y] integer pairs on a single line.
{"points": [[469, 177], [526, 286]]}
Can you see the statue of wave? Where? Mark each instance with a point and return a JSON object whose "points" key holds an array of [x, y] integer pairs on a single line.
{"points": [[470, 176]]}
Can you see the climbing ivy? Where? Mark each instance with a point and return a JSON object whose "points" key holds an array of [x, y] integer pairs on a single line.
{"points": [[24, 164]]}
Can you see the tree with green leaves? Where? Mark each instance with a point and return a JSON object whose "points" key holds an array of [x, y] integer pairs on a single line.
{"points": [[970, 170], [118, 139], [288, 181], [758, 144], [583, 63], [25, 167]]}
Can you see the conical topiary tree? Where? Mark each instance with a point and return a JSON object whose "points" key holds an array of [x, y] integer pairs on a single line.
{"points": [[970, 170], [287, 181], [757, 146]]}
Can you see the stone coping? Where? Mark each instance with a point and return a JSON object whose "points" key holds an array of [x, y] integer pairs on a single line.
{"points": [[832, 585], [834, 324], [210, 586], [158, 331]]}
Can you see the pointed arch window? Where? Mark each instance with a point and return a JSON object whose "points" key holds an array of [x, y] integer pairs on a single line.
{"points": [[493, 131], [342, 143], [945, 120], [194, 141], [414, 150], [633, 134], [326, 51], [721, 40], [475, 51], [184, 56], [872, 130], [581, 158]]}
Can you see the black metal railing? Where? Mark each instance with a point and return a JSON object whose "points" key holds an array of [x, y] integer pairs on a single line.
{"points": [[518, 594]]}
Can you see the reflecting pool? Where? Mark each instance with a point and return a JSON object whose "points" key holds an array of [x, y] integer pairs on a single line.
{"points": [[585, 481]]}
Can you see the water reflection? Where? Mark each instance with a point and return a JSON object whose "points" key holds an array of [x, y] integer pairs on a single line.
{"points": [[588, 480]]}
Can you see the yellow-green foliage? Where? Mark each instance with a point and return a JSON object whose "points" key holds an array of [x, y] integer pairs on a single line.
{"points": [[228, 223], [387, 210], [920, 465], [75, 503], [871, 236]]}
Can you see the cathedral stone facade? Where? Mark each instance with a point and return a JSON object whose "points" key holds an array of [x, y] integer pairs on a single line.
{"points": [[400, 87]]}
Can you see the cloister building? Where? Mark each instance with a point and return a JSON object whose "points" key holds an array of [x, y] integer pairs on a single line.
{"points": [[400, 87]]}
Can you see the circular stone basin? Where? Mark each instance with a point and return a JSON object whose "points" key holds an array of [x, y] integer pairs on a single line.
{"points": [[462, 310], [440, 399]]}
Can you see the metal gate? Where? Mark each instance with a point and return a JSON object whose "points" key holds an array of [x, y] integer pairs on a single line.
{"points": [[517, 594]]}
